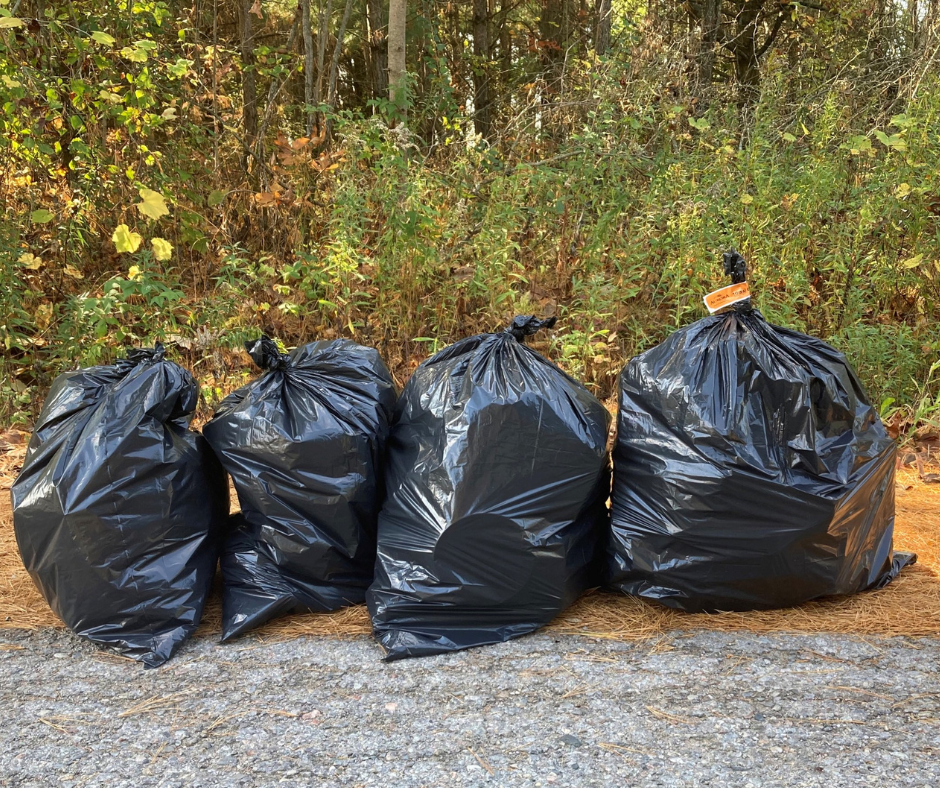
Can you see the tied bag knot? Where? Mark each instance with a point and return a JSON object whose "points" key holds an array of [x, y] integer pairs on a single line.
{"points": [[264, 353], [736, 267], [142, 355], [523, 326]]}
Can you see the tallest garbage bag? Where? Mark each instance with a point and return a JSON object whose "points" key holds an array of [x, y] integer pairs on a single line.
{"points": [[750, 470], [497, 479]]}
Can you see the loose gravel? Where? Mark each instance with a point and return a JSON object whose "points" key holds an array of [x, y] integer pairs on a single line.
{"points": [[691, 709]]}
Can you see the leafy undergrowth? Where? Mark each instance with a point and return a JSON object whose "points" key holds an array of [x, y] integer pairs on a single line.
{"points": [[135, 211]]}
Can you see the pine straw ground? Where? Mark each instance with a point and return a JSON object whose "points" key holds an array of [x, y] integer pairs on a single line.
{"points": [[908, 606]]}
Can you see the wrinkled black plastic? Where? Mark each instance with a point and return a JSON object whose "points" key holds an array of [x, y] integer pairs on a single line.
{"points": [[750, 470], [120, 509], [497, 478], [303, 443]]}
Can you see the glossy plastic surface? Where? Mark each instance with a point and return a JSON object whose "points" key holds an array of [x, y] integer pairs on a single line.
{"points": [[303, 444], [497, 478], [120, 509], [750, 470]]}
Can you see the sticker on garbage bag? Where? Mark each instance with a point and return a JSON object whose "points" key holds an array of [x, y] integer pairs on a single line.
{"points": [[727, 296]]}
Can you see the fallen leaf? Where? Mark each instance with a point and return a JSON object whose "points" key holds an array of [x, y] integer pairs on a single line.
{"points": [[30, 261], [43, 315]]}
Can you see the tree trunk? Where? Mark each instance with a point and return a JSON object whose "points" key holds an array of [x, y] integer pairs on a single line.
{"points": [[249, 83], [604, 15], [746, 65], [378, 48], [334, 65], [505, 38], [711, 21], [309, 74], [322, 36], [482, 108], [554, 33], [396, 49]]}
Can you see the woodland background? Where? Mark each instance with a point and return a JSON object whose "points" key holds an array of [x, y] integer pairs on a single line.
{"points": [[409, 173]]}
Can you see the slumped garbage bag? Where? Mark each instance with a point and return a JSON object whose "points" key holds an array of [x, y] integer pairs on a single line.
{"points": [[497, 479], [750, 470], [120, 508], [304, 445]]}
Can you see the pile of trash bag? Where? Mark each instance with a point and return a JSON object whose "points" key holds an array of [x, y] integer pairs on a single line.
{"points": [[304, 445], [751, 471], [120, 509], [497, 480]]}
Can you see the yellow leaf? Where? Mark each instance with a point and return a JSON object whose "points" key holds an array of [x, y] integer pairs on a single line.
{"points": [[7, 22], [153, 205], [902, 190], [30, 261], [43, 315], [71, 270], [912, 262], [162, 249], [103, 38], [125, 240]]}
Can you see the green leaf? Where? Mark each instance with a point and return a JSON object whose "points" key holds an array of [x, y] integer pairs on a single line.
{"points": [[902, 121], [135, 54], [125, 240], [162, 249], [111, 98], [857, 144], [895, 141], [886, 403], [103, 38], [788, 137], [216, 198], [7, 22], [42, 216], [179, 68], [153, 205], [912, 262]]}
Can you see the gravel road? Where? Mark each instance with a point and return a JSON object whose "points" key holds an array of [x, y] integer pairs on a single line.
{"points": [[693, 709]]}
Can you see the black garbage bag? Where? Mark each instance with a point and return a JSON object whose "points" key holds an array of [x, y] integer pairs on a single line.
{"points": [[120, 509], [304, 445], [750, 470], [497, 478]]}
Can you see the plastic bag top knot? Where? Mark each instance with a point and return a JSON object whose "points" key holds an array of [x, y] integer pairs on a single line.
{"points": [[523, 326], [735, 266], [141, 355], [264, 353]]}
